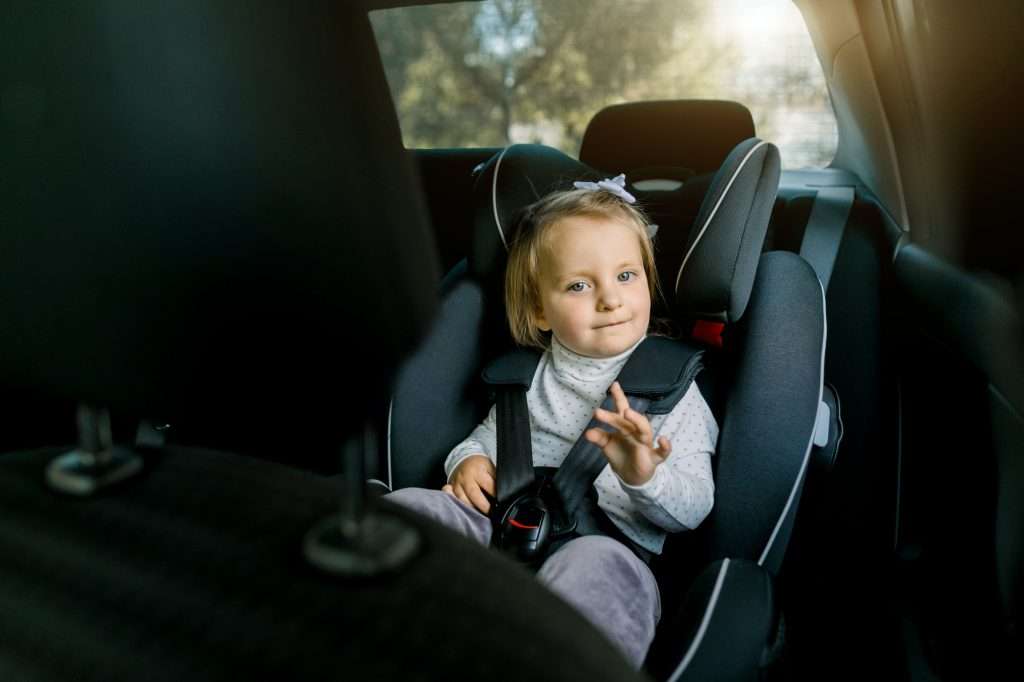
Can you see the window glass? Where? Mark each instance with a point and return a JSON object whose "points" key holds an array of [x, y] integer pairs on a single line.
{"points": [[503, 71]]}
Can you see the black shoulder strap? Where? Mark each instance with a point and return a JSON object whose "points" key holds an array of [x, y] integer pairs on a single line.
{"points": [[661, 370], [515, 449], [581, 468], [654, 379], [511, 374]]}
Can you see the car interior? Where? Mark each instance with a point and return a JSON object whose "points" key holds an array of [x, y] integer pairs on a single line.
{"points": [[241, 300]]}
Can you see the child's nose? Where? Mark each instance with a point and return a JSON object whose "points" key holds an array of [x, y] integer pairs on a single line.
{"points": [[609, 300]]}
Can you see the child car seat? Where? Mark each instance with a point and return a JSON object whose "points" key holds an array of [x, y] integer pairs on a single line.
{"points": [[764, 384]]}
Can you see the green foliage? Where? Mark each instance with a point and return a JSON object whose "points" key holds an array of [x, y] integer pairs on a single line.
{"points": [[485, 74], [490, 73]]}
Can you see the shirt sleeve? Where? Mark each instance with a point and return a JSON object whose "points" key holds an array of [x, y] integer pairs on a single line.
{"points": [[681, 492], [483, 439]]}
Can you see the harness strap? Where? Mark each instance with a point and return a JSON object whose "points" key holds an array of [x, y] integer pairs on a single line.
{"points": [[581, 467], [515, 450], [654, 379]]}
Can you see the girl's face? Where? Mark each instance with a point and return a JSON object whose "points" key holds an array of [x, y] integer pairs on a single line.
{"points": [[594, 295]]}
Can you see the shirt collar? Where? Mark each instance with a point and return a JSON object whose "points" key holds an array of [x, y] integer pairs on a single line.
{"points": [[572, 365]]}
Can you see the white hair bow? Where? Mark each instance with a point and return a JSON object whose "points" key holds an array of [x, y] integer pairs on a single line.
{"points": [[616, 186]]}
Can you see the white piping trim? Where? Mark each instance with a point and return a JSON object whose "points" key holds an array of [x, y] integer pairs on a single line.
{"points": [[494, 197], [715, 210], [810, 441], [699, 637], [391, 406]]}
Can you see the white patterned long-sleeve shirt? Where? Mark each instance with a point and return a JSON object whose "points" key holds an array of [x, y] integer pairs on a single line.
{"points": [[561, 400]]}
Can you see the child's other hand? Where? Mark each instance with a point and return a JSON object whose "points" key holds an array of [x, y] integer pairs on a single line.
{"points": [[471, 479], [630, 449]]}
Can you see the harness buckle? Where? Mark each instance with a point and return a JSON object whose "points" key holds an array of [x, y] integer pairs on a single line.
{"points": [[527, 526]]}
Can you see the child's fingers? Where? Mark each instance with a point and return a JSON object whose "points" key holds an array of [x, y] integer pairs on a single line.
{"points": [[478, 500], [486, 482], [598, 437], [616, 421], [619, 396], [664, 448], [641, 426], [460, 494]]}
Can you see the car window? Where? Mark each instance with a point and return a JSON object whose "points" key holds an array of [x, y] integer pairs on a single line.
{"points": [[492, 73]]}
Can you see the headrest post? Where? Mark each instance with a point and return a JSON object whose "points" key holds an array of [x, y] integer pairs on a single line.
{"points": [[358, 541], [96, 463]]}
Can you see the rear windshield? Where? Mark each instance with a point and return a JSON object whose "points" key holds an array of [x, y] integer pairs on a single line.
{"points": [[487, 74]]}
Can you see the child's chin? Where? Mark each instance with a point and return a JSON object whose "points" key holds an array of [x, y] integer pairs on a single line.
{"points": [[612, 347]]}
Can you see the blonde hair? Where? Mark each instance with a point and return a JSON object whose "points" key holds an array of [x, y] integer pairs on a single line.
{"points": [[534, 223]]}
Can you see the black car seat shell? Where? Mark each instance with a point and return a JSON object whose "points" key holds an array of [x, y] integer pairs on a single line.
{"points": [[669, 151], [766, 379]]}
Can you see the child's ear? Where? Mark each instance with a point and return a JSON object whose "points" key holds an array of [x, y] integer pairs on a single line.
{"points": [[539, 321]]}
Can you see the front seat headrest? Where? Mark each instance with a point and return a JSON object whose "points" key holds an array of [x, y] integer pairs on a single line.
{"points": [[695, 134], [194, 231]]}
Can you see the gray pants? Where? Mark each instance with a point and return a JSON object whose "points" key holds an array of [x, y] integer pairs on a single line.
{"points": [[597, 575]]}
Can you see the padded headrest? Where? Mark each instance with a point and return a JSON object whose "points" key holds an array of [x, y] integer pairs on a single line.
{"points": [[722, 251], [719, 259], [200, 216], [515, 177], [695, 134]]}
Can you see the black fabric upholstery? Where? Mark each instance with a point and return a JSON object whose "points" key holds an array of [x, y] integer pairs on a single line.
{"points": [[723, 248], [770, 412], [195, 232], [515, 368], [695, 134], [740, 624], [437, 399], [195, 572], [661, 370], [517, 176], [447, 176]]}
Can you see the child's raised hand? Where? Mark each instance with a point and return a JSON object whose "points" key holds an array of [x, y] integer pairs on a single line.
{"points": [[471, 479], [630, 449]]}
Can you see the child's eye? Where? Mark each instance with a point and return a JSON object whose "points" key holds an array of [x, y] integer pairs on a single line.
{"points": [[577, 287], [627, 276]]}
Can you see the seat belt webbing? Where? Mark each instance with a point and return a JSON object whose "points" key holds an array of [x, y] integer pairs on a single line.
{"points": [[582, 466], [825, 228], [574, 478], [515, 452]]}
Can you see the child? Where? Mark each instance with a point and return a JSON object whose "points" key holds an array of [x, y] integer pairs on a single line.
{"points": [[579, 284]]}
